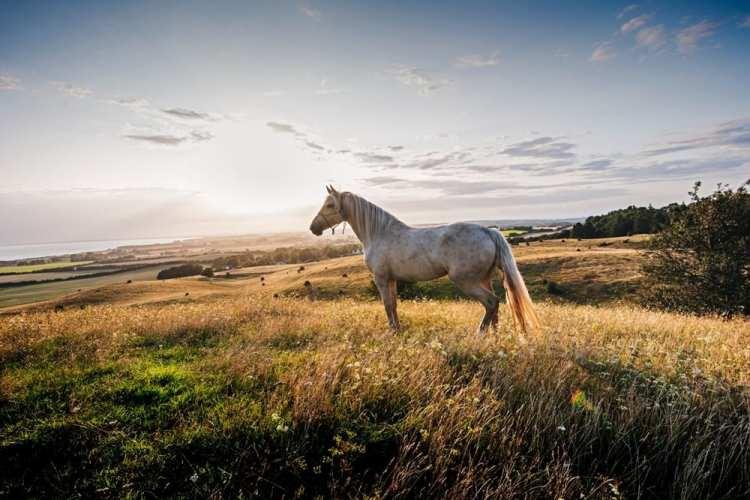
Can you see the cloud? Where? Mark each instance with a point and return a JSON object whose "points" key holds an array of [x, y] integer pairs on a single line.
{"points": [[310, 12], [382, 180], [733, 134], [597, 165], [326, 89], [478, 61], [187, 114], [395, 148], [8, 82], [627, 9], [284, 128], [449, 187], [373, 157], [603, 51], [688, 38], [542, 147], [635, 23], [424, 82], [314, 145], [652, 38], [131, 102], [745, 23], [274, 93], [72, 90], [170, 140]]}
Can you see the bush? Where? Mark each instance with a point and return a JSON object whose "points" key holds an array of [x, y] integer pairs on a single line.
{"points": [[180, 271], [553, 288], [701, 262]]}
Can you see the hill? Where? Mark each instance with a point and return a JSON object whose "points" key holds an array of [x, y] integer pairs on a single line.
{"points": [[585, 272], [251, 395]]}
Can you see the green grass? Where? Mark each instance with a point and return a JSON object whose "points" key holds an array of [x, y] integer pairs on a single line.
{"points": [[42, 267], [512, 232], [288, 398], [25, 294]]}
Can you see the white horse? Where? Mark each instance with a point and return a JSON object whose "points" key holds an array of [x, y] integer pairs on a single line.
{"points": [[394, 251]]}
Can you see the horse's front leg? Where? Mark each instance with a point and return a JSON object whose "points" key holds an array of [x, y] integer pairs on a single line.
{"points": [[392, 289], [389, 299]]}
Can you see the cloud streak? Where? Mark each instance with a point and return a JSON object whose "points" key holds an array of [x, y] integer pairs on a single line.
{"points": [[187, 114], [170, 140], [652, 38], [8, 82], [72, 90], [423, 81], [478, 61], [635, 23], [689, 38], [313, 14], [603, 51], [542, 147]]}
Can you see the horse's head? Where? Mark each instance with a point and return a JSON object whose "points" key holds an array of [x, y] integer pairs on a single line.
{"points": [[329, 214]]}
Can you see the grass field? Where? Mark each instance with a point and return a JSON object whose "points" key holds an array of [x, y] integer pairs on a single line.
{"points": [[582, 272], [41, 267], [26, 294], [282, 397]]}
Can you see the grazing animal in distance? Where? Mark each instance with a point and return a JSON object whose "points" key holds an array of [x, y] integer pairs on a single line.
{"points": [[468, 253]]}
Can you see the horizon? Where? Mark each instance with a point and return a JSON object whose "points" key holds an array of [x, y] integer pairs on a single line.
{"points": [[129, 121]]}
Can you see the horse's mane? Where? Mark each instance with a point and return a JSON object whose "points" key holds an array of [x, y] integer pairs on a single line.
{"points": [[367, 219]]}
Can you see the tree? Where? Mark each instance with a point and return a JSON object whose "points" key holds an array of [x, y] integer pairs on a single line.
{"points": [[701, 261]]}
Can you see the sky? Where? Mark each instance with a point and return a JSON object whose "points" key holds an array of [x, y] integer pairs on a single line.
{"points": [[157, 119]]}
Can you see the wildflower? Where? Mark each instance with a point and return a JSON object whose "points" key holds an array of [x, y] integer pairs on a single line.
{"points": [[579, 400], [561, 428]]}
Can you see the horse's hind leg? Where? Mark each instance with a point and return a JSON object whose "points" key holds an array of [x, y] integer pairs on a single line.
{"points": [[487, 284], [488, 299]]}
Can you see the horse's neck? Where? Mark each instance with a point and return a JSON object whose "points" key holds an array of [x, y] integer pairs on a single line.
{"points": [[368, 221]]}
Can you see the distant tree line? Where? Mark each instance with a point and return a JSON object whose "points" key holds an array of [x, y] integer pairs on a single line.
{"points": [[285, 255], [626, 221]]}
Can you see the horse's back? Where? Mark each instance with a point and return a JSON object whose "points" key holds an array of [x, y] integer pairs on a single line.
{"points": [[467, 249]]}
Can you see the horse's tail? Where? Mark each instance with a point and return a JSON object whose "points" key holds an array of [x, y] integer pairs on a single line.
{"points": [[517, 296]]}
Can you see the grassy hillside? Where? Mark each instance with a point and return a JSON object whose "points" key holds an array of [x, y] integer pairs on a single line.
{"points": [[583, 272], [253, 395]]}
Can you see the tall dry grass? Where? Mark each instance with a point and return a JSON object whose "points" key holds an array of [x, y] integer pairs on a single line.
{"points": [[284, 397]]}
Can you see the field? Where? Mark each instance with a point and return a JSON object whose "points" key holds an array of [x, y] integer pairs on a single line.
{"points": [[24, 294], [285, 397], [237, 387], [32, 268], [582, 272]]}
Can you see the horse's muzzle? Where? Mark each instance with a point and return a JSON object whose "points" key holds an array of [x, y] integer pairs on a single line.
{"points": [[316, 231]]}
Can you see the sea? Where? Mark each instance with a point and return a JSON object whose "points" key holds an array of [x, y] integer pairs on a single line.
{"points": [[35, 250]]}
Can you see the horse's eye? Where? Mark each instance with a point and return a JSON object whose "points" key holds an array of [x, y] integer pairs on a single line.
{"points": [[330, 205]]}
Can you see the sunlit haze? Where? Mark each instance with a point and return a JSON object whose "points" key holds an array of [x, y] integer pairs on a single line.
{"points": [[159, 119]]}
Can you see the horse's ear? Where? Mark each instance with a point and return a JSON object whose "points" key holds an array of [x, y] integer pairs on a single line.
{"points": [[329, 189]]}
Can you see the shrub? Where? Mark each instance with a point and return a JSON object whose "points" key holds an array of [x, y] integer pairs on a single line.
{"points": [[180, 271], [701, 263], [208, 272], [553, 288]]}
